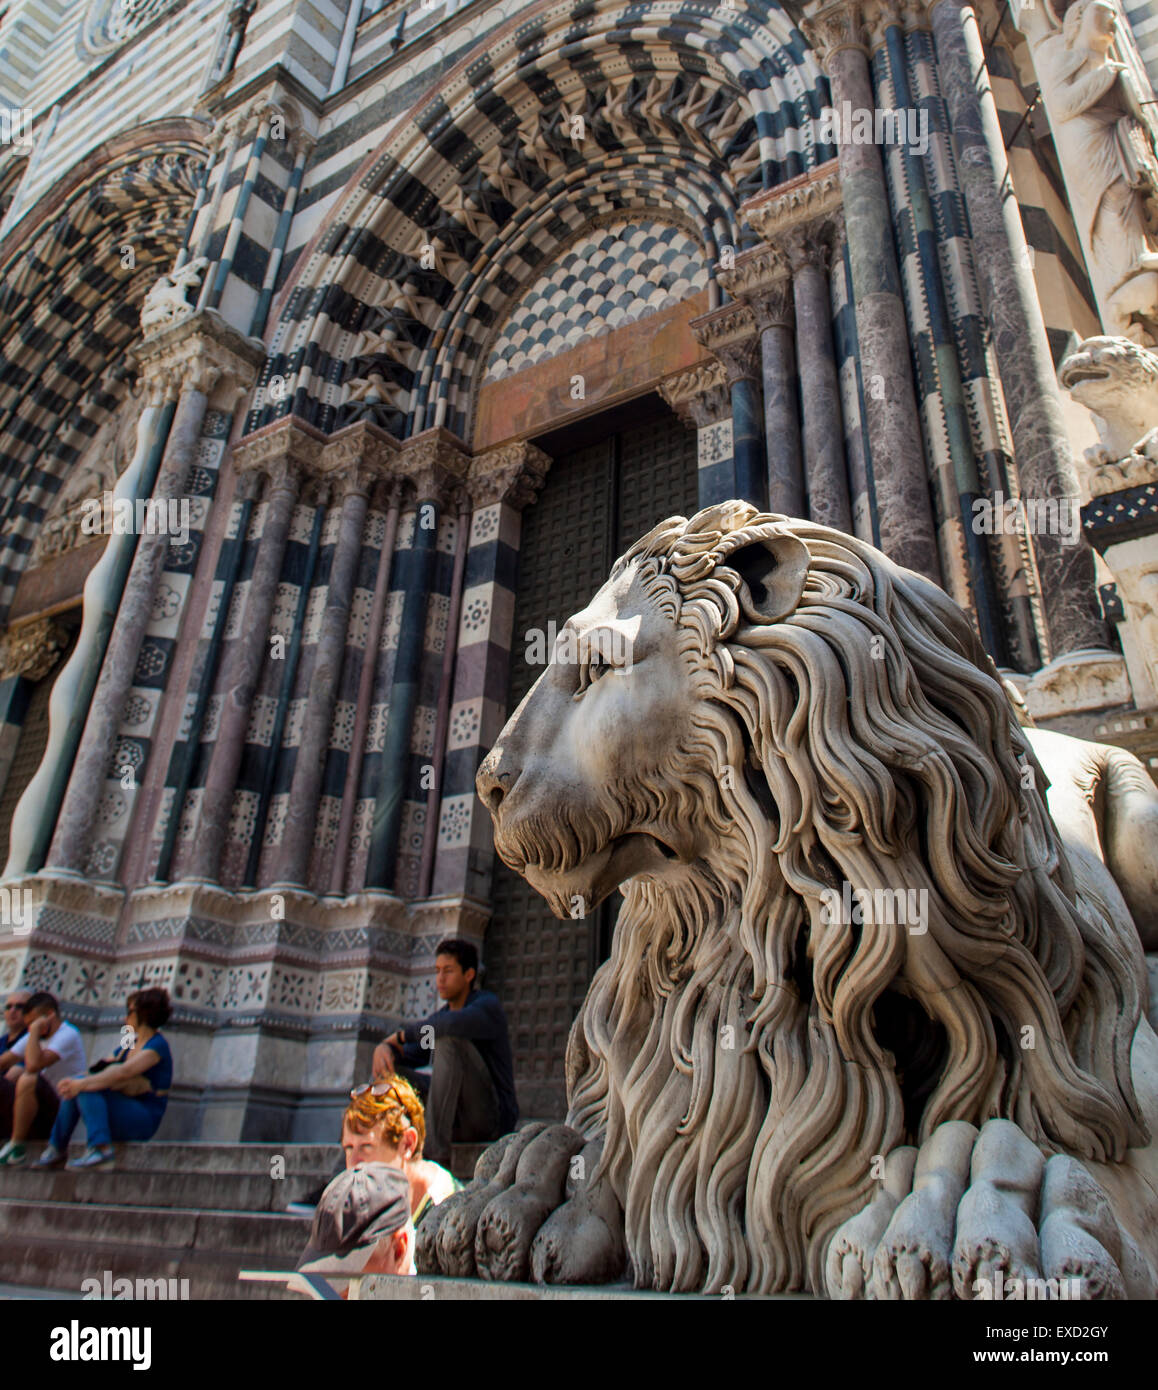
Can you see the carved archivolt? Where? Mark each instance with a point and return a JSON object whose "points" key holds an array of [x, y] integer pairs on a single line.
{"points": [[94, 475], [676, 107]]}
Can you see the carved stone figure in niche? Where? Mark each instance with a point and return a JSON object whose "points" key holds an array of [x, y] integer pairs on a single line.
{"points": [[806, 1064], [1106, 146], [1118, 380]]}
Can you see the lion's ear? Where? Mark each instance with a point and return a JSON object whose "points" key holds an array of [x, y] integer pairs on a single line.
{"points": [[774, 572]]}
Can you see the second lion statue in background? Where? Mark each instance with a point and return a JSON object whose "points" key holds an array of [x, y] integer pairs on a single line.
{"points": [[872, 1025]]}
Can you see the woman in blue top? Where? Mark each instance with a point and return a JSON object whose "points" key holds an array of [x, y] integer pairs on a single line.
{"points": [[123, 1096]]}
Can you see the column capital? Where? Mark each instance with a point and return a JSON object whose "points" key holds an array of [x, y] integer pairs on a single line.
{"points": [[512, 473], [811, 197], [200, 352], [729, 333], [699, 396], [762, 279], [437, 462], [808, 244], [285, 451], [31, 649], [831, 27], [359, 456]]}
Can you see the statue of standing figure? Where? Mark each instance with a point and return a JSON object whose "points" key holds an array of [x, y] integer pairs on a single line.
{"points": [[1106, 146]]}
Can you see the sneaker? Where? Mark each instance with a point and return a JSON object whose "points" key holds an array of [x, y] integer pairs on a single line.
{"points": [[13, 1155], [94, 1158], [51, 1157]]}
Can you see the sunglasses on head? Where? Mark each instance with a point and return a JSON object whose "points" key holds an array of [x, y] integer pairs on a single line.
{"points": [[379, 1089]]}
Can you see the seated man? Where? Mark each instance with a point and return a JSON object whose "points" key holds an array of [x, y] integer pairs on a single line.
{"points": [[472, 1082], [15, 1024], [48, 1052], [362, 1225], [384, 1123]]}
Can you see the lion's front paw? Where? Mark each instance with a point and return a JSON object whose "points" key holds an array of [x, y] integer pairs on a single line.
{"points": [[512, 1218], [452, 1240], [583, 1241], [996, 1234], [1080, 1236], [849, 1265], [913, 1259]]}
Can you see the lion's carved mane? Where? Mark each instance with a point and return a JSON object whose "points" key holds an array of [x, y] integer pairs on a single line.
{"points": [[870, 742]]}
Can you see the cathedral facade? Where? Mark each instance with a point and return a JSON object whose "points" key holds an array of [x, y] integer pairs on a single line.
{"points": [[344, 345]]}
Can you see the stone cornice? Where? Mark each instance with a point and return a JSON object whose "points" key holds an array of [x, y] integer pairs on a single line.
{"points": [[511, 473], [811, 197], [698, 396]]}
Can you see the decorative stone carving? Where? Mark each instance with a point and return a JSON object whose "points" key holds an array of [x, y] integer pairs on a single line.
{"points": [[1105, 143], [812, 197], [32, 649], [701, 1066], [832, 27], [166, 303], [729, 333], [1078, 681], [761, 279], [1117, 379], [512, 473], [285, 451], [437, 462], [699, 396], [200, 352]]}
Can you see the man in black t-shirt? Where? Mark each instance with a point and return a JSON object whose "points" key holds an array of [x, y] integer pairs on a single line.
{"points": [[472, 1080]]}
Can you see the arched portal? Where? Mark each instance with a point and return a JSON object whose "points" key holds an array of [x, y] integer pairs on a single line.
{"points": [[557, 121], [73, 275]]}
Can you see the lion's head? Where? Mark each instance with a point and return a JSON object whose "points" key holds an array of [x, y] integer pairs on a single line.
{"points": [[751, 714], [1118, 380]]}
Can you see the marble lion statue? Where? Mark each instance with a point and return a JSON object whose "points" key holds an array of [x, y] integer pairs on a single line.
{"points": [[755, 724]]}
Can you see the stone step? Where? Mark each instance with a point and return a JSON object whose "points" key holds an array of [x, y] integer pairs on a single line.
{"points": [[269, 1235], [208, 1191], [62, 1266], [254, 1159]]}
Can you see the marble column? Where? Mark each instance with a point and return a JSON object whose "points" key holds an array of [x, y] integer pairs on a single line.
{"points": [[35, 816], [500, 483], [197, 377], [391, 498], [284, 454], [352, 484], [1040, 439], [700, 398], [762, 279], [826, 479], [901, 480], [437, 463], [729, 333], [782, 436]]}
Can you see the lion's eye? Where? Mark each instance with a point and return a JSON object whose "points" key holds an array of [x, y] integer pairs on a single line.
{"points": [[590, 670]]}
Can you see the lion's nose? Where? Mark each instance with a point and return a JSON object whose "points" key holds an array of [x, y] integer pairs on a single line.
{"points": [[493, 781]]}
